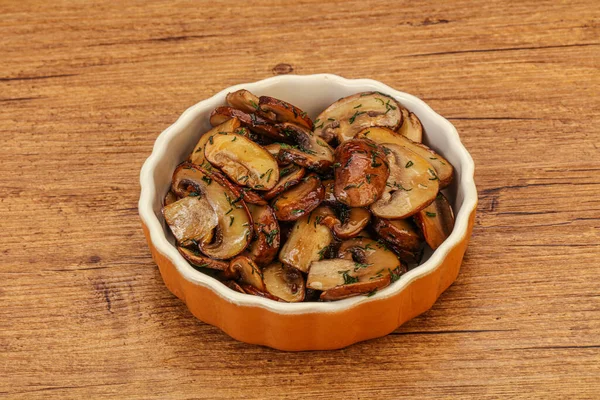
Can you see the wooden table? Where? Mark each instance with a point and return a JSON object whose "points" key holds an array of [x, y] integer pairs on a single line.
{"points": [[86, 88]]}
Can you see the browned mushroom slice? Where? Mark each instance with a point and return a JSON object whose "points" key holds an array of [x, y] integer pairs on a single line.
{"points": [[411, 126], [190, 218], [284, 282], [361, 172], [285, 112], [170, 198], [252, 121], [266, 235], [349, 224], [347, 116], [200, 260], [248, 195], [355, 289], [242, 160], [249, 289], [310, 150], [442, 167], [436, 221], [243, 100], [233, 285], [246, 271], [411, 186], [299, 200], [289, 177], [402, 236], [233, 232], [197, 156], [307, 242]]}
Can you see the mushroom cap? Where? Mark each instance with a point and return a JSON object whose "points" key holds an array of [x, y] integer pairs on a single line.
{"points": [[284, 282], [190, 218], [436, 221], [299, 200], [264, 247]]}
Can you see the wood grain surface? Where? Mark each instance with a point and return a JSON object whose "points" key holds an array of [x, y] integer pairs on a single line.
{"points": [[86, 87]]}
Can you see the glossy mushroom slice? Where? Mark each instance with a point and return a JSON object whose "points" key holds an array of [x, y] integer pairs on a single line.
{"points": [[197, 155], [234, 228], [190, 218], [402, 236], [289, 177], [411, 186], [436, 221], [442, 167], [265, 245], [348, 223], [310, 150], [284, 282], [245, 271], [307, 242], [243, 100], [254, 122], [201, 261], [284, 112], [349, 115], [411, 126], [243, 161], [361, 172], [300, 200]]}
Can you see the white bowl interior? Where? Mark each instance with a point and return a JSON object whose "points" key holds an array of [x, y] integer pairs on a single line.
{"points": [[312, 93]]}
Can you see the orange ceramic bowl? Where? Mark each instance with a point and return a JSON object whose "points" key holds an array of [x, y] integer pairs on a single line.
{"points": [[319, 325]]}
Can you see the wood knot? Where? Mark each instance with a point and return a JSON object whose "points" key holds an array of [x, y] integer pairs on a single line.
{"points": [[282, 69], [95, 259]]}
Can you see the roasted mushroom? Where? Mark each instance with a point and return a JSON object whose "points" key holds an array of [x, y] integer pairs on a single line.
{"points": [[265, 245], [310, 150], [307, 242], [284, 282], [254, 122], [349, 115], [361, 172], [402, 236], [243, 100], [288, 177], [233, 231], [190, 218], [442, 167], [242, 160], [245, 271], [411, 186], [197, 156], [201, 261], [348, 223], [436, 221], [299, 200], [411, 126], [284, 112]]}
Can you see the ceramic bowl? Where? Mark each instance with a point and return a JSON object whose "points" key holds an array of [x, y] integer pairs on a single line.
{"points": [[318, 325]]}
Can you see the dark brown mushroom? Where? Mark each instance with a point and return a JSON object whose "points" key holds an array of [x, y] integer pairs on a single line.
{"points": [[436, 221], [199, 260], [361, 172], [402, 236], [348, 223], [309, 151], [289, 177], [284, 112], [300, 200], [284, 282], [254, 122], [265, 245], [245, 271]]}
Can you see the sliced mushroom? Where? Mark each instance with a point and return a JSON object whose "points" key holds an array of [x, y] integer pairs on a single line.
{"points": [[300, 200], [170, 198], [243, 100], [284, 282], [411, 186], [347, 116], [307, 242], [233, 285], [285, 112], [442, 167], [266, 235], [201, 261], [402, 236], [242, 160], [289, 177], [190, 218], [256, 123], [197, 156], [244, 270], [233, 231], [361, 172], [411, 126], [310, 150], [355, 289], [249, 289], [436, 221], [349, 223]]}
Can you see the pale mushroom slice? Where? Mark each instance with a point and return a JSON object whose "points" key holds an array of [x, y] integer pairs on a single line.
{"points": [[284, 112], [197, 155], [349, 115], [234, 229], [436, 221], [411, 186], [289, 177], [299, 200], [242, 160], [442, 167], [284, 282], [199, 260], [361, 172], [245, 271], [348, 223], [254, 122], [309, 151], [190, 218], [402, 236], [411, 126], [265, 245], [307, 242]]}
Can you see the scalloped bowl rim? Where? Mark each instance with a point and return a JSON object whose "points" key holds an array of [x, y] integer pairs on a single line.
{"points": [[162, 245]]}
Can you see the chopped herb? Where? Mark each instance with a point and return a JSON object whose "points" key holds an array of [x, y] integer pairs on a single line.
{"points": [[254, 104], [303, 114], [194, 194], [270, 236], [207, 180], [297, 211], [389, 107], [374, 162], [356, 114], [222, 133], [369, 176], [394, 275], [210, 139], [243, 178], [421, 186], [320, 125], [231, 218], [373, 145], [234, 139], [358, 266], [318, 220], [435, 177], [230, 210], [259, 186], [267, 173], [358, 106], [322, 252], [378, 99], [430, 214], [366, 94], [353, 185], [433, 158], [386, 150], [330, 119], [321, 143], [348, 279], [409, 164], [199, 149], [253, 118], [366, 133], [337, 165], [372, 293], [317, 120]]}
